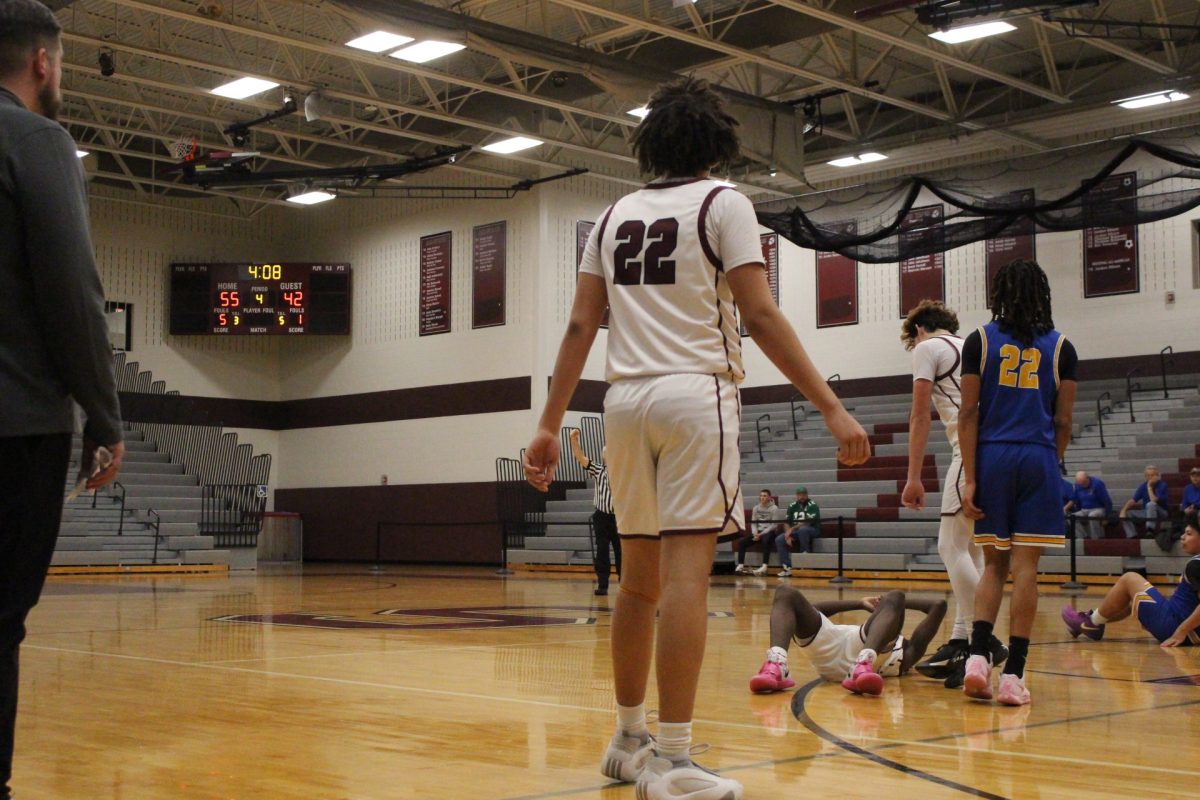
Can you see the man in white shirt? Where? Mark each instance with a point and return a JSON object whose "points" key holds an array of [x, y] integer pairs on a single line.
{"points": [[929, 332]]}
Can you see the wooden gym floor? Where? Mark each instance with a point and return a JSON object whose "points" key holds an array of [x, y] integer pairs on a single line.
{"points": [[333, 682]]}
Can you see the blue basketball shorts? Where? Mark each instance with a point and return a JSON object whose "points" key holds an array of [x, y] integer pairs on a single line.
{"points": [[1018, 488], [1154, 612]]}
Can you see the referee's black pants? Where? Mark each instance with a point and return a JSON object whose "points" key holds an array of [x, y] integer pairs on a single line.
{"points": [[605, 526], [33, 470]]}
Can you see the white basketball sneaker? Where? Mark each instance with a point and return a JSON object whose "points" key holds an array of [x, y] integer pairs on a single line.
{"points": [[760, 571], [741, 569], [626, 756], [667, 780]]}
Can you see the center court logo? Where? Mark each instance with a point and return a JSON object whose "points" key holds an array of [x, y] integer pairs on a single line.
{"points": [[435, 619]]}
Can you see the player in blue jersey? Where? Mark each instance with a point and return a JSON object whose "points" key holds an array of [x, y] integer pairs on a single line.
{"points": [[1173, 620], [1018, 388]]}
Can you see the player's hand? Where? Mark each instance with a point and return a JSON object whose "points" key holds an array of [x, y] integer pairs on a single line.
{"points": [[870, 603], [853, 445], [575, 435], [788, 539], [541, 460], [1177, 638], [969, 508], [101, 470], [914, 495]]}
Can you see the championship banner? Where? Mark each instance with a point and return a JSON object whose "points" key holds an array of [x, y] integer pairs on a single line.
{"points": [[837, 284], [770, 252], [488, 272], [924, 276], [1110, 252], [583, 231], [435, 284], [1018, 240]]}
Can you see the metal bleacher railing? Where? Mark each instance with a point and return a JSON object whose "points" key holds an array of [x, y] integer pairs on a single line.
{"points": [[229, 472], [521, 509]]}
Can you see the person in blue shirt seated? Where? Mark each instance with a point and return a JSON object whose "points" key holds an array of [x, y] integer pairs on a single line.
{"points": [[1173, 621], [1089, 501], [1191, 494], [1149, 502]]}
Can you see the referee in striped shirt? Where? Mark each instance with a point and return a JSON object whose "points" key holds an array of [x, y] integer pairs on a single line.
{"points": [[604, 521]]}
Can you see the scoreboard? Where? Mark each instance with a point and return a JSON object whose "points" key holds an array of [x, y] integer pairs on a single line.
{"points": [[260, 299]]}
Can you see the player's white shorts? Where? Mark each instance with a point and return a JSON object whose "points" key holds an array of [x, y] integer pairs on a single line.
{"points": [[953, 487], [835, 647], [673, 460]]}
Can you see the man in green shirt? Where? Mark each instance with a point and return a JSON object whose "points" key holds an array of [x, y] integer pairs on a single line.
{"points": [[804, 525]]}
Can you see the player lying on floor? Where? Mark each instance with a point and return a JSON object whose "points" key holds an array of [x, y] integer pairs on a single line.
{"points": [[857, 655], [1173, 620]]}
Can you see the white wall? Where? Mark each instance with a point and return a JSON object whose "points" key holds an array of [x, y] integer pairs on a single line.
{"points": [[137, 238]]}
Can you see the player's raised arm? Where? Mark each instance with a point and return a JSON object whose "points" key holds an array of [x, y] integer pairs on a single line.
{"points": [[542, 454], [778, 340]]}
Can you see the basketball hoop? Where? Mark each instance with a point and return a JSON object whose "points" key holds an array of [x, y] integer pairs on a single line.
{"points": [[183, 149]]}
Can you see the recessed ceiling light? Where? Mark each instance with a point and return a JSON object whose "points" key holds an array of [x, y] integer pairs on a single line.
{"points": [[243, 88], [311, 198], [1155, 99], [969, 33], [639, 112], [379, 41], [82, 153], [853, 161], [513, 145], [428, 50]]}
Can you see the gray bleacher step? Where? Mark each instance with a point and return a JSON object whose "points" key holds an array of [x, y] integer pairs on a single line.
{"points": [[149, 468], [205, 557], [857, 561], [1176, 425], [1084, 565], [909, 545], [196, 542], [170, 503], [1166, 565], [84, 558], [556, 543], [553, 514], [103, 542], [538, 557], [141, 493]]}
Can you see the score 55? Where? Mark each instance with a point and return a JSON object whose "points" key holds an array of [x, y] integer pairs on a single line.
{"points": [[229, 299]]}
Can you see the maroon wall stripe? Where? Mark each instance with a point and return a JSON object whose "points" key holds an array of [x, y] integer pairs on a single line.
{"points": [[513, 394], [447, 400]]}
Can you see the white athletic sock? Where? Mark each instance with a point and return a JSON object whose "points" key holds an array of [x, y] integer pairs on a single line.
{"points": [[867, 654], [674, 740], [777, 655], [631, 720], [1098, 618], [964, 565]]}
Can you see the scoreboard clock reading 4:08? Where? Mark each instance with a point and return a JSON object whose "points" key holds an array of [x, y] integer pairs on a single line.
{"points": [[260, 299]]}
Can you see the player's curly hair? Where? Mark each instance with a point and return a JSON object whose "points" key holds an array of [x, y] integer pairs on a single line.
{"points": [[1021, 300], [686, 131], [932, 315]]}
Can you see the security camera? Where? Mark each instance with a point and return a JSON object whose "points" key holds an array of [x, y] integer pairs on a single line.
{"points": [[240, 136]]}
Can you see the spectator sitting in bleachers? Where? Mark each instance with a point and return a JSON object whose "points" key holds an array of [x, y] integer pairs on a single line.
{"points": [[1149, 502], [1191, 494], [804, 526], [764, 528], [1090, 501]]}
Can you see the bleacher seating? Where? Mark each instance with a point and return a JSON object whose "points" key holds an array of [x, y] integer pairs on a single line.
{"points": [[883, 536]]}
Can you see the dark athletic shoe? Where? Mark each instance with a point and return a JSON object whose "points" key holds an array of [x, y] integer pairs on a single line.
{"points": [[941, 664]]}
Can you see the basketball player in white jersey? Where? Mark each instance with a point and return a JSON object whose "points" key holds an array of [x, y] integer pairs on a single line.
{"points": [[670, 261], [929, 332]]}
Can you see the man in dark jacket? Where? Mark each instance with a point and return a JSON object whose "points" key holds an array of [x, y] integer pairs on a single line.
{"points": [[53, 340]]}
